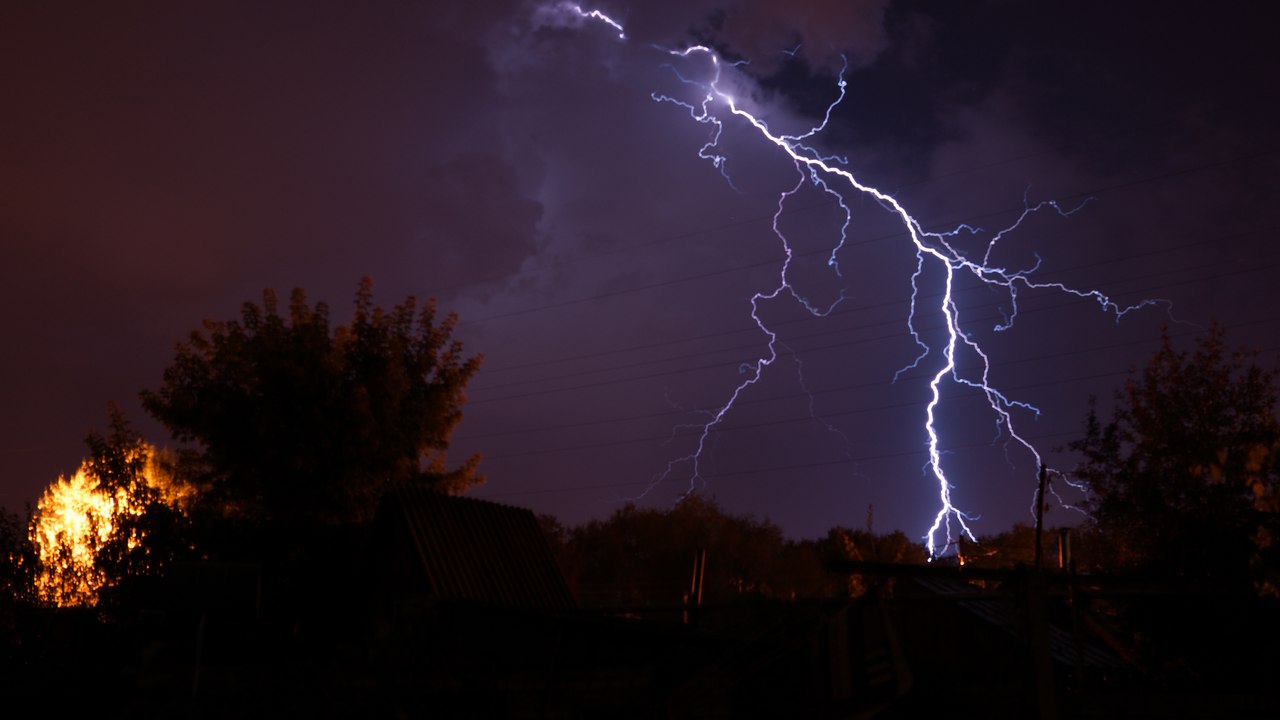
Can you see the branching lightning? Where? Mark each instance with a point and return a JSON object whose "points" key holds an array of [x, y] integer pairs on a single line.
{"points": [[934, 250]]}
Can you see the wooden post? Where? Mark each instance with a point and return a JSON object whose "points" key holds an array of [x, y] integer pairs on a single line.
{"points": [[1041, 648], [1038, 621], [694, 598], [1044, 472]]}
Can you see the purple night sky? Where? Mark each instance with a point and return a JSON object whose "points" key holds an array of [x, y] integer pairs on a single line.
{"points": [[161, 163]]}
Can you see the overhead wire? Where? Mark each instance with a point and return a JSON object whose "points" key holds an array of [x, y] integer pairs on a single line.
{"points": [[723, 271], [1064, 302]]}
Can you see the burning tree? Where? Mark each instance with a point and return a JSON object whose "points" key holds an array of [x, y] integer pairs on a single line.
{"points": [[117, 518]]}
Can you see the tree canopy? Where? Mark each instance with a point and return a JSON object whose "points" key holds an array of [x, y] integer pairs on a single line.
{"points": [[298, 422], [1183, 474]]}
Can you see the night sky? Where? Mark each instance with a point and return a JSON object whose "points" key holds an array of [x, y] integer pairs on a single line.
{"points": [[161, 163]]}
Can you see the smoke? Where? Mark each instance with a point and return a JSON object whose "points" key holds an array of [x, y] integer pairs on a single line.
{"points": [[820, 32]]}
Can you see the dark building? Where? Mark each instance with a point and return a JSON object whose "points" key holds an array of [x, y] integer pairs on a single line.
{"points": [[431, 546]]}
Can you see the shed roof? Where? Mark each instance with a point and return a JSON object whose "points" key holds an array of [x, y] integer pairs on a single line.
{"points": [[477, 550], [999, 612]]}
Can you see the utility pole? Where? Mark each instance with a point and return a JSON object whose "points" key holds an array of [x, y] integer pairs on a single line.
{"points": [[1044, 473], [1038, 620]]}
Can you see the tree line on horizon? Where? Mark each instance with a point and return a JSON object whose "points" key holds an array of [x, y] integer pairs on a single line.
{"points": [[291, 427]]}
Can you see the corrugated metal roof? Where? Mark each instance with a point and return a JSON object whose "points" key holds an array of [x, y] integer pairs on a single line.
{"points": [[478, 550], [998, 612]]}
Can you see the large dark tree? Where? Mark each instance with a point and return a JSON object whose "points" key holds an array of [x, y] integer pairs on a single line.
{"points": [[298, 423], [1183, 473]]}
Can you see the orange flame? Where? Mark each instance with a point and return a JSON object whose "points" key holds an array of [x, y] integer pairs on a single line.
{"points": [[74, 519]]}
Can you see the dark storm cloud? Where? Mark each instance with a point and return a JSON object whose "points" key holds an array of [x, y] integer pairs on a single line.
{"points": [[824, 33], [1145, 80]]}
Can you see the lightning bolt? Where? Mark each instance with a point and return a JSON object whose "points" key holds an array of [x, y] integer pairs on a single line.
{"points": [[933, 249]]}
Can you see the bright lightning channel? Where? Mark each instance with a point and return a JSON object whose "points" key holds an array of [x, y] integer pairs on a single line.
{"points": [[830, 175]]}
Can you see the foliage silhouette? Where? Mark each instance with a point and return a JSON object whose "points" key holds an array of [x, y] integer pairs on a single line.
{"points": [[155, 530], [16, 560], [305, 425], [645, 556], [1182, 475]]}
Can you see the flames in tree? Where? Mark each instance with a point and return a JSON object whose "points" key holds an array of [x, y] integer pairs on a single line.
{"points": [[77, 518]]}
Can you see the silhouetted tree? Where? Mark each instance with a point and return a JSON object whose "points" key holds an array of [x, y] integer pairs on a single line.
{"points": [[1182, 473], [149, 523], [304, 425], [1088, 549], [16, 559], [1181, 477], [845, 544], [645, 556]]}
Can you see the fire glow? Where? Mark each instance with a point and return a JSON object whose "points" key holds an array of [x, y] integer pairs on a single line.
{"points": [[74, 518]]}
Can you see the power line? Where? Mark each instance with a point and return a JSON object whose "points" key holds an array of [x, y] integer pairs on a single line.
{"points": [[970, 220], [846, 311], [826, 333], [841, 388], [810, 418], [1066, 302], [710, 477]]}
